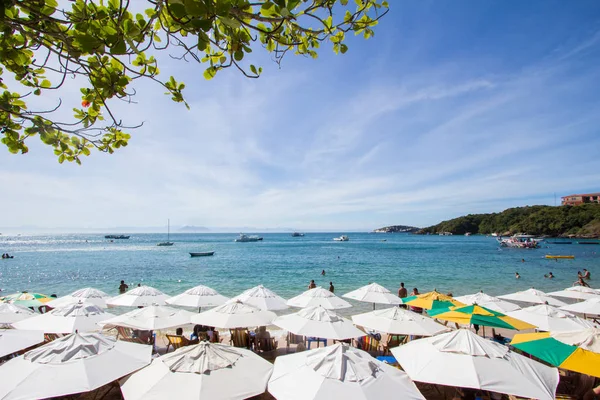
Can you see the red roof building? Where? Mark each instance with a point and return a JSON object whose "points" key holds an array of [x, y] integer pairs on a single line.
{"points": [[577, 199]]}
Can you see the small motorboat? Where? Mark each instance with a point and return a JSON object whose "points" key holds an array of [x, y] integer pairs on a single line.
{"points": [[246, 238], [588, 242], [342, 238], [202, 254], [553, 257], [297, 234]]}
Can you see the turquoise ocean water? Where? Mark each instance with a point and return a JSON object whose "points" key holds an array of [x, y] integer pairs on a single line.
{"points": [[61, 264]]}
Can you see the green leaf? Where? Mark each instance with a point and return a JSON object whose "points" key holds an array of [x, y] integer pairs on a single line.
{"points": [[119, 48], [210, 73], [46, 84], [343, 48]]}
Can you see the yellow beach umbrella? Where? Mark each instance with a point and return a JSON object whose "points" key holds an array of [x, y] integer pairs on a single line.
{"points": [[431, 300], [577, 351], [478, 315]]}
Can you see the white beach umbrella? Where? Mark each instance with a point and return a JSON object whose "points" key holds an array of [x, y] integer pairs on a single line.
{"points": [[577, 292], [151, 318], [373, 293], [142, 296], [398, 321], [590, 306], [204, 371], [74, 364], [318, 297], [551, 319], [234, 315], [263, 298], [487, 301], [587, 339], [87, 295], [198, 297], [533, 296], [12, 340], [338, 372], [10, 313], [463, 359], [319, 322], [80, 317]]}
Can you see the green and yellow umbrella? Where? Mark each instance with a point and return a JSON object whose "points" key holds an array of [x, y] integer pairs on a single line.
{"points": [[25, 299], [474, 314], [576, 351], [431, 300]]}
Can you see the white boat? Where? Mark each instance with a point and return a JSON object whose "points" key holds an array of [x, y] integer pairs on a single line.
{"points": [[520, 242], [342, 238], [468, 234], [167, 243], [246, 238]]}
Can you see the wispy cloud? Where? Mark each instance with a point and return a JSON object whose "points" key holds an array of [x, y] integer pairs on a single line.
{"points": [[322, 144]]}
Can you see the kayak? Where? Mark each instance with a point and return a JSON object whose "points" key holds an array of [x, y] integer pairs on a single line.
{"points": [[569, 257]]}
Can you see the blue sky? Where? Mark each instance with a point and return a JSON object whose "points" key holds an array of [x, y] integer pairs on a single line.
{"points": [[452, 108]]}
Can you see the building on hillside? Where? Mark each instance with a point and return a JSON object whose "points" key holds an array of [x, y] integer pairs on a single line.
{"points": [[577, 199]]}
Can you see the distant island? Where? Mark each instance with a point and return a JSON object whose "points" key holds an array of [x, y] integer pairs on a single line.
{"points": [[562, 221], [189, 228], [397, 229]]}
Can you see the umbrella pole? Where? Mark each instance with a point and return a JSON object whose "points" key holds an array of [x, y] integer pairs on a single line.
{"points": [[199, 309], [483, 329], [373, 306]]}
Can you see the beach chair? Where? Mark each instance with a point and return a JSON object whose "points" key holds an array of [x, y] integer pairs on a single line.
{"points": [[394, 341], [240, 338], [176, 342], [371, 345], [266, 344], [128, 335], [123, 332], [294, 339]]}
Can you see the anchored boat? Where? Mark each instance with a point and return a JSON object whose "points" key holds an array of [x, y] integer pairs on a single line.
{"points": [[202, 254], [552, 257]]}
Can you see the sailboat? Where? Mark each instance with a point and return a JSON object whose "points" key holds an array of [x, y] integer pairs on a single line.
{"points": [[167, 243]]}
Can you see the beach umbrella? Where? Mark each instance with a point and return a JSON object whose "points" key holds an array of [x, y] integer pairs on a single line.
{"points": [[575, 350], [373, 293], [203, 371], [577, 292], [80, 317], [198, 297], [318, 297], [462, 359], [151, 318], [318, 322], [234, 315], [551, 319], [533, 296], [10, 313], [338, 372], [590, 306], [87, 295], [478, 315], [141, 296], [26, 299], [398, 321], [12, 340], [263, 298], [79, 362], [431, 300], [487, 301]]}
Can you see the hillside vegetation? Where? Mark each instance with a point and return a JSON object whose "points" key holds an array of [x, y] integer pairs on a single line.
{"points": [[580, 221]]}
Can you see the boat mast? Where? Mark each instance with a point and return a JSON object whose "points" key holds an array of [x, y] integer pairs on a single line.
{"points": [[168, 229]]}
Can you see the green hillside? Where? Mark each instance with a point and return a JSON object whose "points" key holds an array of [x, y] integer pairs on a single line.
{"points": [[580, 221]]}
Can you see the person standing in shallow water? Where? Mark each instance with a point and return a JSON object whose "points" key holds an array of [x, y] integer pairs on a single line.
{"points": [[123, 287], [312, 285], [331, 288], [402, 293]]}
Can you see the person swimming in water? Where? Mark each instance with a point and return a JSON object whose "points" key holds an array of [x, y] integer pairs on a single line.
{"points": [[580, 282], [517, 276], [323, 272], [550, 276], [312, 284]]}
